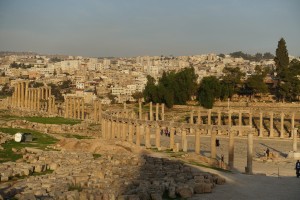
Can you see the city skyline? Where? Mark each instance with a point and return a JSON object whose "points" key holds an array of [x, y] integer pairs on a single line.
{"points": [[137, 28]]}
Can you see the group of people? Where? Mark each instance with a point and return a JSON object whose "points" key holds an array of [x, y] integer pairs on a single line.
{"points": [[166, 132]]}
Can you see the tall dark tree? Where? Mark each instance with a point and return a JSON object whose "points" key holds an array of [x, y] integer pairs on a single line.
{"points": [[172, 88], [208, 91], [281, 59], [150, 91]]}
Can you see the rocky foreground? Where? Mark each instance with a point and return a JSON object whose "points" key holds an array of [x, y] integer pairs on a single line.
{"points": [[117, 171]]}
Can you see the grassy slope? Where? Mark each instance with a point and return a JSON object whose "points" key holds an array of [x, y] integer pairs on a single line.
{"points": [[40, 141]]}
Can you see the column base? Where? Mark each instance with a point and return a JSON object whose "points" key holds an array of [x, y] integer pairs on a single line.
{"points": [[294, 155]]}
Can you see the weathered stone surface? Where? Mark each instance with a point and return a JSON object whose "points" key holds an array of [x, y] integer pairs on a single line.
{"points": [[184, 191]]}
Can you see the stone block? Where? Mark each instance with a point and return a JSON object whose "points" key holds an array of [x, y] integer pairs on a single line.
{"points": [[184, 191], [201, 188], [39, 168], [4, 178], [53, 166]]}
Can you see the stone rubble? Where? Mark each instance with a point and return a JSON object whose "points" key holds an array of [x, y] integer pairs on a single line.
{"points": [[78, 175]]}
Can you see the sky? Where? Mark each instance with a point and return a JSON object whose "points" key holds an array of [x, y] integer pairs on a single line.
{"points": [[125, 28]]}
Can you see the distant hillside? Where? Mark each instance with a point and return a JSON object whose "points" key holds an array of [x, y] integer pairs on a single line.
{"points": [[7, 53]]}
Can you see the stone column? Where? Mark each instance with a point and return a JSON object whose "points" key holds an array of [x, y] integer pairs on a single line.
{"points": [[295, 136], [119, 130], [229, 118], [95, 110], [209, 116], [124, 132], [151, 111], [39, 99], [109, 133], [213, 145], [192, 117], [240, 124], [43, 92], [231, 150], [113, 129], [29, 99], [271, 124], [250, 118], [99, 109], [130, 135], [172, 133], [139, 130], [157, 135], [157, 111], [73, 108], [49, 110], [22, 94], [66, 107], [260, 134], [249, 154], [103, 128], [209, 121], [197, 141], [77, 108], [162, 111], [292, 123], [19, 94], [147, 137], [82, 109], [199, 116], [219, 121], [281, 125], [26, 94], [184, 140], [140, 110], [32, 99]]}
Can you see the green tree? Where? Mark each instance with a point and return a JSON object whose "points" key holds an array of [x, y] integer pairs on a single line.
{"points": [[281, 59], [56, 91], [184, 85], [209, 90], [137, 95], [231, 82], [172, 88], [150, 91]]}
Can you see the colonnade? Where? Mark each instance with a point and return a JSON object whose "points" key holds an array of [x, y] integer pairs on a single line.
{"points": [[262, 121], [212, 122], [159, 112], [97, 109], [115, 125], [34, 99], [74, 107]]}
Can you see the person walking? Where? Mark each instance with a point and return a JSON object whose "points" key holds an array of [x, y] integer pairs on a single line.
{"points": [[297, 168]]}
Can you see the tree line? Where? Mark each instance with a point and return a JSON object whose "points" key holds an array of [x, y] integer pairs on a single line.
{"points": [[179, 87], [21, 65]]}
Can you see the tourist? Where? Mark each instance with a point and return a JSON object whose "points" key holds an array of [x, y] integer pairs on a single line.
{"points": [[297, 168], [267, 152]]}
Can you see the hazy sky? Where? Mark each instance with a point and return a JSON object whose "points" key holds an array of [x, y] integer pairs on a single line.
{"points": [[148, 27]]}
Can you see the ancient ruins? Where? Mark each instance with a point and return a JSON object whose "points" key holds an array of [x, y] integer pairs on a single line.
{"points": [[144, 126]]}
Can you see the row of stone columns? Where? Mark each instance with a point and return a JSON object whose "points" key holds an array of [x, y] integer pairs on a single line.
{"points": [[30, 98], [74, 107], [228, 114], [151, 116], [97, 106], [125, 131]]}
